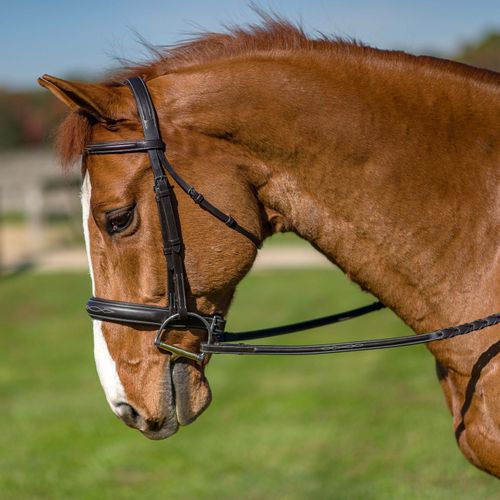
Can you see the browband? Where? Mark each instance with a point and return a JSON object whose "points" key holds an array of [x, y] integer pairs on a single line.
{"points": [[117, 147]]}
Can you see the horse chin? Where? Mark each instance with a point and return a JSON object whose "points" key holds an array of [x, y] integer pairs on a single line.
{"points": [[191, 391], [164, 433], [189, 396]]}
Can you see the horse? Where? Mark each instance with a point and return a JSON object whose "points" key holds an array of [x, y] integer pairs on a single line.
{"points": [[387, 163]]}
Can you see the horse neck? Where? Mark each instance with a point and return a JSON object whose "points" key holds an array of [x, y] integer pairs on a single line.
{"points": [[388, 166]]}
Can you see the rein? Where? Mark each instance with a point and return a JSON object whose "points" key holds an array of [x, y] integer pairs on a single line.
{"points": [[176, 314]]}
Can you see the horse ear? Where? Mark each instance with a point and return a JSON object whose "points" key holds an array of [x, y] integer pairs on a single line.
{"points": [[89, 97]]}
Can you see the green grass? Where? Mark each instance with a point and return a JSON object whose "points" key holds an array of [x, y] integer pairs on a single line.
{"points": [[370, 425], [285, 239], [49, 218], [12, 218]]}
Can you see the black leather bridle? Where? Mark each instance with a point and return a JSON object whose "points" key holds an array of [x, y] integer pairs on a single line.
{"points": [[176, 314]]}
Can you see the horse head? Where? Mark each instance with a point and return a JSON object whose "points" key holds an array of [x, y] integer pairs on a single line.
{"points": [[145, 387]]}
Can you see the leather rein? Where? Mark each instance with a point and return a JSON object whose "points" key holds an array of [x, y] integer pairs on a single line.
{"points": [[176, 314]]}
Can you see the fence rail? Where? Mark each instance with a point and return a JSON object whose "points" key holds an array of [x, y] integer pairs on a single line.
{"points": [[39, 208]]}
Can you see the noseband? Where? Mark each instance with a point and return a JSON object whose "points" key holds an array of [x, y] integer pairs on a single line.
{"points": [[176, 314]]}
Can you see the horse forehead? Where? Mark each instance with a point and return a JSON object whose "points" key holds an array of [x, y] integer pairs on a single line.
{"points": [[116, 177]]}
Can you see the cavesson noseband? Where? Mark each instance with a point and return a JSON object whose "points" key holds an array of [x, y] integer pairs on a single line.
{"points": [[176, 314]]}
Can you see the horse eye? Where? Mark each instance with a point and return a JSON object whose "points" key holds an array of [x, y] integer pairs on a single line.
{"points": [[119, 220]]}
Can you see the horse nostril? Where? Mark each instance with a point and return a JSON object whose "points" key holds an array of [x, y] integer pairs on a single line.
{"points": [[127, 413], [154, 425], [131, 417]]}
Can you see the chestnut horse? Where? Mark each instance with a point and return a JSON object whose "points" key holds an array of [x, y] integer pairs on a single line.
{"points": [[389, 164]]}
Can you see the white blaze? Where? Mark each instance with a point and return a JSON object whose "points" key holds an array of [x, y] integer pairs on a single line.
{"points": [[106, 367]]}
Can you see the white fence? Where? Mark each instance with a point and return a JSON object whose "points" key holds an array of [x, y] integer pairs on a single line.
{"points": [[35, 192]]}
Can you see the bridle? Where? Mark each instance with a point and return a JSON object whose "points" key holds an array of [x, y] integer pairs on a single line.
{"points": [[176, 314]]}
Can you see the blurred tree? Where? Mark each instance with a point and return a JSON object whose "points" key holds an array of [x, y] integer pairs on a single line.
{"points": [[484, 53], [11, 129], [28, 119]]}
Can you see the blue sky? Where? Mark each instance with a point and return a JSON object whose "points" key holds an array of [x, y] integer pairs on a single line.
{"points": [[82, 37]]}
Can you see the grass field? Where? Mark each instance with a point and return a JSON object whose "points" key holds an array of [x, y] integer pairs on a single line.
{"points": [[371, 425]]}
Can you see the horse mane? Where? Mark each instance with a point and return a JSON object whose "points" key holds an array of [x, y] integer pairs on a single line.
{"points": [[272, 34]]}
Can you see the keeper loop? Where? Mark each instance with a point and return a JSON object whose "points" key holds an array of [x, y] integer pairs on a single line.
{"points": [[196, 197], [230, 221]]}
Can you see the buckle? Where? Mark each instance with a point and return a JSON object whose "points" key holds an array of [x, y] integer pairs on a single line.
{"points": [[179, 352]]}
